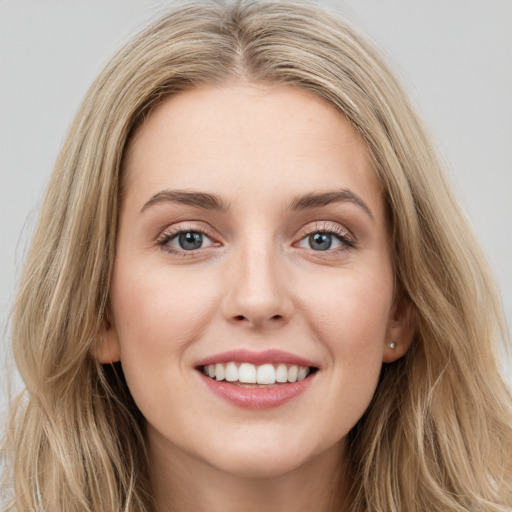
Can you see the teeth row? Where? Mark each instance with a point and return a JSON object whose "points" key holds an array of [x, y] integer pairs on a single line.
{"points": [[250, 374]]}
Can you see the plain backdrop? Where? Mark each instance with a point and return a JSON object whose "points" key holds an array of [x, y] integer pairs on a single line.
{"points": [[454, 56]]}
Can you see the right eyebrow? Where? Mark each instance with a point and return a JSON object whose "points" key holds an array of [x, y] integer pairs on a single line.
{"points": [[198, 199]]}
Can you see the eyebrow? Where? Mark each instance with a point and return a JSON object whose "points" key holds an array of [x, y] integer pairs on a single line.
{"points": [[208, 201], [198, 199], [316, 200]]}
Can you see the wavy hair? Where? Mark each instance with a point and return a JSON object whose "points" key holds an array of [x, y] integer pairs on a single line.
{"points": [[437, 435]]}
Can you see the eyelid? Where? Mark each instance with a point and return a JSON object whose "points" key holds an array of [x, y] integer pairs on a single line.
{"points": [[171, 232], [179, 227], [328, 227], [346, 237]]}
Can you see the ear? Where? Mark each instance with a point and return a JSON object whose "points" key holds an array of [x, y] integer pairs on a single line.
{"points": [[400, 331], [106, 348]]}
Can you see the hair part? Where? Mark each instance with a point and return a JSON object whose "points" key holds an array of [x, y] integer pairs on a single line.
{"points": [[437, 436]]}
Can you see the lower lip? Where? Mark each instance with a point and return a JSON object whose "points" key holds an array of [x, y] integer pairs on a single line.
{"points": [[257, 398]]}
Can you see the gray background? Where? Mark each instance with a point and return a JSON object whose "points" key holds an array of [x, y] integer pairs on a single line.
{"points": [[454, 56]]}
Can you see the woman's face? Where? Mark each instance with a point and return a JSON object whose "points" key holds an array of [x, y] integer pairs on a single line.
{"points": [[252, 245]]}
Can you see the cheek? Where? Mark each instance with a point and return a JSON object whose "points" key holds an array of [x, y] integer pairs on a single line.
{"points": [[349, 316], [159, 311], [350, 312]]}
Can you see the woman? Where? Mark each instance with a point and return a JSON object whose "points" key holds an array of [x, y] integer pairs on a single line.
{"points": [[251, 288]]}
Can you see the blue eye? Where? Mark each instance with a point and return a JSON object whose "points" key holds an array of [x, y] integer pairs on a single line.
{"points": [[190, 240], [320, 241], [185, 240], [326, 240]]}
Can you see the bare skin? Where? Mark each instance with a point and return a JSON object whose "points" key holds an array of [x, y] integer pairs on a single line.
{"points": [[321, 486], [275, 189]]}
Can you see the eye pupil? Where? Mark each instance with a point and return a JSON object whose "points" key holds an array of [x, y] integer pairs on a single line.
{"points": [[320, 241], [190, 240]]}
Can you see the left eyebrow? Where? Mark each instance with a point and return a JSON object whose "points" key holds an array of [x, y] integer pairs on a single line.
{"points": [[316, 200]]}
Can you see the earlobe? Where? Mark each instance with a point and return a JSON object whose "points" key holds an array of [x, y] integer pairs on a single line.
{"points": [[105, 347], [400, 331]]}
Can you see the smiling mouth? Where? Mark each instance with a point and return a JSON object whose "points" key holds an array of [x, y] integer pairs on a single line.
{"points": [[257, 376]]}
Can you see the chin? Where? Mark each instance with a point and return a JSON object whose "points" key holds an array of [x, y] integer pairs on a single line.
{"points": [[260, 466], [262, 457]]}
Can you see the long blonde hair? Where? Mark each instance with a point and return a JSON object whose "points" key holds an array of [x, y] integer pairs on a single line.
{"points": [[437, 436]]}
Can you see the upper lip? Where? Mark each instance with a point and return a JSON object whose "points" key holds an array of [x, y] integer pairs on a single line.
{"points": [[257, 358]]}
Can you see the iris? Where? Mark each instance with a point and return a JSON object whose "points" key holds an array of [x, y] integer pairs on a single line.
{"points": [[320, 241], [190, 240]]}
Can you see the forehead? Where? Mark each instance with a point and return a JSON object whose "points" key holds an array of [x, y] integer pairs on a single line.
{"points": [[247, 138]]}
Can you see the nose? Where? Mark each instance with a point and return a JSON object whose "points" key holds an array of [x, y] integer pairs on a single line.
{"points": [[257, 290]]}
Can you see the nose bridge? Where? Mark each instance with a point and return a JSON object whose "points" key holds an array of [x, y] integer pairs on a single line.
{"points": [[257, 291]]}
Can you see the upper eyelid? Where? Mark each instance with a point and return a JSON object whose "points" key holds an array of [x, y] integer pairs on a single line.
{"points": [[173, 234], [180, 227], [339, 231], [202, 227], [326, 226], [164, 239]]}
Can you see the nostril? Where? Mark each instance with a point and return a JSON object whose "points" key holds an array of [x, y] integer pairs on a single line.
{"points": [[241, 318]]}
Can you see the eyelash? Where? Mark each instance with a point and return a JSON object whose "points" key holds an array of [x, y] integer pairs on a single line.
{"points": [[342, 235], [330, 228], [172, 233]]}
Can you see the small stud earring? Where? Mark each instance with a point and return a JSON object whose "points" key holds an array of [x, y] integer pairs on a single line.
{"points": [[392, 345]]}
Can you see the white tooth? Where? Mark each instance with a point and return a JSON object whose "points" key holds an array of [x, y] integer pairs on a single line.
{"points": [[266, 374], [219, 371], [292, 373], [205, 370], [211, 370], [303, 373], [231, 373], [282, 373], [247, 373]]}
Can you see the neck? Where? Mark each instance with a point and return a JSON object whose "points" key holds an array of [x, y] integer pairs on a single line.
{"points": [[188, 484]]}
